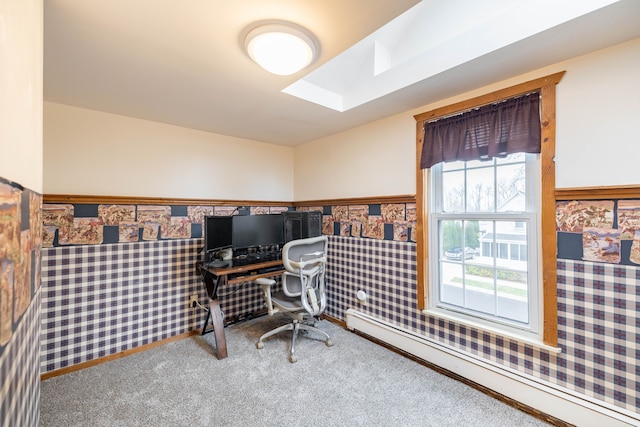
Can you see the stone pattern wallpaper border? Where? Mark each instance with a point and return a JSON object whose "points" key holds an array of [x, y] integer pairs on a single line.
{"points": [[91, 224]]}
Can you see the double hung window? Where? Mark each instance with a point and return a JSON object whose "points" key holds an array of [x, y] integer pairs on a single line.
{"points": [[486, 212], [484, 245]]}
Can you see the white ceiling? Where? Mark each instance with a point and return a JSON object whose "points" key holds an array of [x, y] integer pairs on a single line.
{"points": [[183, 63]]}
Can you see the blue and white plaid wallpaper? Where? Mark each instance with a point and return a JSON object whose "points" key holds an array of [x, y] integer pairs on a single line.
{"points": [[599, 331], [99, 300], [19, 373]]}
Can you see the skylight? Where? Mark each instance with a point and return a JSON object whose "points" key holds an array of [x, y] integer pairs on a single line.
{"points": [[429, 39]]}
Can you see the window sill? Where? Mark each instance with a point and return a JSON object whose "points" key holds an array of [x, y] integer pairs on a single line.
{"points": [[443, 314]]}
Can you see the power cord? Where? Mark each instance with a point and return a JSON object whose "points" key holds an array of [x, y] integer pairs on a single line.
{"points": [[197, 304]]}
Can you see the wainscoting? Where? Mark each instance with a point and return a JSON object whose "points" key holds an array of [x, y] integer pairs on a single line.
{"points": [[101, 300], [19, 373]]}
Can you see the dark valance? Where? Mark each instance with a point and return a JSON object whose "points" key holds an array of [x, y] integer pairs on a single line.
{"points": [[495, 130]]}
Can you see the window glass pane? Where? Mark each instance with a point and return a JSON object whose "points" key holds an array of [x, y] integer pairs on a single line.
{"points": [[514, 252], [511, 241], [453, 191], [471, 239], [459, 240], [487, 241], [451, 241], [480, 290], [510, 181], [503, 250], [486, 249], [449, 166], [515, 157], [473, 164], [480, 190], [451, 286], [523, 253], [512, 295]]}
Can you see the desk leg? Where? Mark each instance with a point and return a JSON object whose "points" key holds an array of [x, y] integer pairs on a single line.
{"points": [[218, 328]]}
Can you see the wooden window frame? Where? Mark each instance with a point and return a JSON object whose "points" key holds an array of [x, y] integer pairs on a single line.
{"points": [[547, 88]]}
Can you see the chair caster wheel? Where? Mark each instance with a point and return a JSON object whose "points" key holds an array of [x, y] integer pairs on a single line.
{"points": [[293, 358], [259, 345], [329, 343]]}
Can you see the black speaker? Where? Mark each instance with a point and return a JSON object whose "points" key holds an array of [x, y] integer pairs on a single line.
{"points": [[300, 225]]}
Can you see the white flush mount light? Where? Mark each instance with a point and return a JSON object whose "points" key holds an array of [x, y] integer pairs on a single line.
{"points": [[281, 48]]}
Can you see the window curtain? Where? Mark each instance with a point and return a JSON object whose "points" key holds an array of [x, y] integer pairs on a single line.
{"points": [[495, 130]]}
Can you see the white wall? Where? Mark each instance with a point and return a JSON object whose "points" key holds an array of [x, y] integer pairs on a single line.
{"points": [[94, 153], [598, 137], [21, 92], [597, 142], [88, 152], [373, 160]]}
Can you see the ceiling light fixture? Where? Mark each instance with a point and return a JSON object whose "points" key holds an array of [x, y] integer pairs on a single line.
{"points": [[282, 48]]}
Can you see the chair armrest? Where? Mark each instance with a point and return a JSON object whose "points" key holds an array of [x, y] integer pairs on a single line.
{"points": [[266, 284], [319, 258]]}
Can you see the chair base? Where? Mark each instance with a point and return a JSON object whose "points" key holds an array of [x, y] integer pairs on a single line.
{"points": [[295, 327]]}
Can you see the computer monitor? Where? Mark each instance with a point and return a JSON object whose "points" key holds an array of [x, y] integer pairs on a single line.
{"points": [[218, 233], [257, 230]]}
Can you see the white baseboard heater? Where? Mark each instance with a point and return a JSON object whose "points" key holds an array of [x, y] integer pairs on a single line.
{"points": [[554, 401]]}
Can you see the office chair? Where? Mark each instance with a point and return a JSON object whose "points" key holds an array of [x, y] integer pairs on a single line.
{"points": [[303, 296]]}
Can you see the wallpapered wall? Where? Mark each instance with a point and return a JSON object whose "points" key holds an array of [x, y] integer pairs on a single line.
{"points": [[116, 277], [20, 226], [101, 299]]}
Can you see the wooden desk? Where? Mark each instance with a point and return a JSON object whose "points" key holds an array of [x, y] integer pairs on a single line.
{"points": [[214, 278]]}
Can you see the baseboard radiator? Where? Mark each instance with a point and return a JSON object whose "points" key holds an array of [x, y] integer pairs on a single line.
{"points": [[528, 390]]}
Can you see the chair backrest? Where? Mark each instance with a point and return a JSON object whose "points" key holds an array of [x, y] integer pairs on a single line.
{"points": [[304, 261]]}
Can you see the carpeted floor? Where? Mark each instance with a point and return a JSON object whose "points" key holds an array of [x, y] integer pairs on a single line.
{"points": [[353, 383]]}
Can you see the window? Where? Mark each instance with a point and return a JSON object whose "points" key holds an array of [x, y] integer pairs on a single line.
{"points": [[466, 231], [478, 206]]}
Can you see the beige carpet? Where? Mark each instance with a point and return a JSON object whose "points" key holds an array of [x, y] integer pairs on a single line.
{"points": [[354, 383]]}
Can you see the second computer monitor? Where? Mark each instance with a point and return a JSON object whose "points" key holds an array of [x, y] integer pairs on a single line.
{"points": [[257, 230]]}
